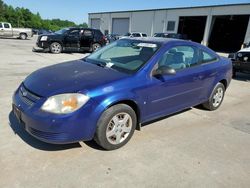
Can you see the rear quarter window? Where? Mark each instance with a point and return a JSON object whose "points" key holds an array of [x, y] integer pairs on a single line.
{"points": [[207, 57], [98, 34]]}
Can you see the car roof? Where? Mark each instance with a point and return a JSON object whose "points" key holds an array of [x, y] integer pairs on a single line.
{"points": [[157, 40], [82, 28]]}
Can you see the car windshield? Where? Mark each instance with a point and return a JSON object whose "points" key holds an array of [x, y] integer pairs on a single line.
{"points": [[62, 31], [124, 55]]}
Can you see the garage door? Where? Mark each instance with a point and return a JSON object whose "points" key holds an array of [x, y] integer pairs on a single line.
{"points": [[95, 23], [120, 26]]}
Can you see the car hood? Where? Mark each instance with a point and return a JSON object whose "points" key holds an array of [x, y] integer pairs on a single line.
{"points": [[70, 77], [245, 50]]}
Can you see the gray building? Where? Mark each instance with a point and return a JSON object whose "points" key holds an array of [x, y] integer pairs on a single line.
{"points": [[223, 27]]}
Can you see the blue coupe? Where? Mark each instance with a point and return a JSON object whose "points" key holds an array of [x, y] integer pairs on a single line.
{"points": [[110, 93]]}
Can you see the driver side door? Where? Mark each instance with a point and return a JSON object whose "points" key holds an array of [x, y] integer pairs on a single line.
{"points": [[72, 40], [168, 94]]}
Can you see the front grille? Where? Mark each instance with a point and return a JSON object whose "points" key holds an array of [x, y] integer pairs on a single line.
{"points": [[27, 97], [243, 56]]}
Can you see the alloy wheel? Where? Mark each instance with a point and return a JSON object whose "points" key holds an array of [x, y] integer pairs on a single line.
{"points": [[119, 128]]}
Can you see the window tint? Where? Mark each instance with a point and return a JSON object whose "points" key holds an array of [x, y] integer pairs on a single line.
{"points": [[98, 33], [136, 35], [180, 57], [206, 57], [87, 33], [1, 26], [74, 33], [158, 35], [6, 25]]}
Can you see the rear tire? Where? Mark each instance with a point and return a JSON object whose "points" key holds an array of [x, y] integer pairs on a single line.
{"points": [[55, 48], [216, 97], [23, 36], [115, 127], [95, 47]]}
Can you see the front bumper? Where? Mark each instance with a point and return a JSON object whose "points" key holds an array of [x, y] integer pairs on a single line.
{"points": [[53, 128], [41, 46]]}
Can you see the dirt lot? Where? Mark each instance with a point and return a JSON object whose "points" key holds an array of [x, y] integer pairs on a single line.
{"points": [[195, 148]]}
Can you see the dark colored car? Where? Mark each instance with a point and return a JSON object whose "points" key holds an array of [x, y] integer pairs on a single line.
{"points": [[72, 40], [108, 94], [43, 32], [171, 35], [241, 61], [112, 37]]}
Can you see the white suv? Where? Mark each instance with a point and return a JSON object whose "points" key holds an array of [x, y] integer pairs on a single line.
{"points": [[134, 34]]}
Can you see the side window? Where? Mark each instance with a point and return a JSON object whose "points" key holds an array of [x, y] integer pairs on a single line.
{"points": [[74, 33], [87, 33], [206, 57], [1, 26], [6, 25], [136, 35], [180, 57]]}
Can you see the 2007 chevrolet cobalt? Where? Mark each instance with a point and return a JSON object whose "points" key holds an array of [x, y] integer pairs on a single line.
{"points": [[108, 94]]}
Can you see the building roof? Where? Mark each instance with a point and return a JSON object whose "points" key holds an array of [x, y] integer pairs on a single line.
{"points": [[174, 8]]}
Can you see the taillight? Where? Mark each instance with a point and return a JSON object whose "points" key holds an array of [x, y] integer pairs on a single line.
{"points": [[104, 38]]}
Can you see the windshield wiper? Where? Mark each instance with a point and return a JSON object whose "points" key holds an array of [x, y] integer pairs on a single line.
{"points": [[101, 64]]}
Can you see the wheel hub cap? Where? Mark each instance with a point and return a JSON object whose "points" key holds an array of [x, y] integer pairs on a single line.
{"points": [[119, 128], [218, 96]]}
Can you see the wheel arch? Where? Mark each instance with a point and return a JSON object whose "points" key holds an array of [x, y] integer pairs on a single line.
{"points": [[224, 82], [58, 41]]}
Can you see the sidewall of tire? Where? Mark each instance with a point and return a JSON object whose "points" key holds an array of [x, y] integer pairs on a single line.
{"points": [[209, 104], [100, 136], [54, 52]]}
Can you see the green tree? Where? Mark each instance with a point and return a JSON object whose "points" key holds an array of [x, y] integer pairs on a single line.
{"points": [[22, 17]]}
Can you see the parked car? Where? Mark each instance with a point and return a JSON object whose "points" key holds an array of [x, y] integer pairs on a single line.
{"points": [[241, 61], [44, 32], [112, 37], [171, 35], [6, 30], [71, 40], [108, 94], [134, 34]]}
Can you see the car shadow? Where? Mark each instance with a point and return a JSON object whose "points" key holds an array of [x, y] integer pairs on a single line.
{"points": [[242, 77], [14, 38], [26, 137], [33, 142]]}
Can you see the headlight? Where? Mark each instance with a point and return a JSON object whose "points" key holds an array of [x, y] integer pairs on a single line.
{"points": [[65, 103], [44, 38]]}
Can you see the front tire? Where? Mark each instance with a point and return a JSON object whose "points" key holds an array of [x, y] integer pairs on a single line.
{"points": [[55, 48], [216, 98], [115, 127]]}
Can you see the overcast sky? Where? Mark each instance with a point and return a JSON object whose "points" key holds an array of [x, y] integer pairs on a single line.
{"points": [[77, 10]]}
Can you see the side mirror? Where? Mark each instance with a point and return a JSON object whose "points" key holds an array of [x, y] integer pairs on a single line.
{"points": [[164, 70]]}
